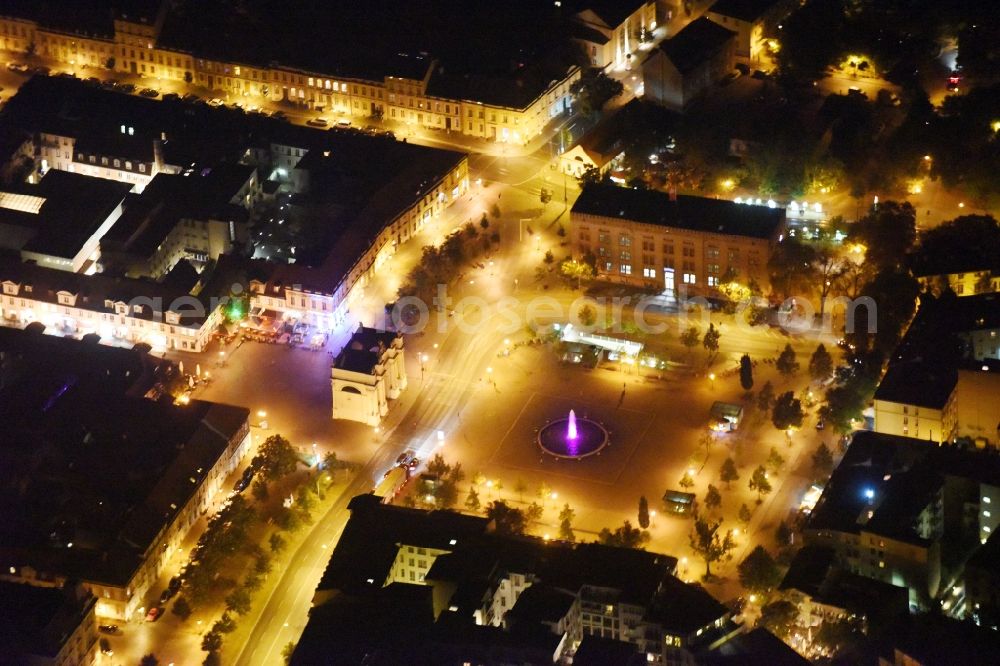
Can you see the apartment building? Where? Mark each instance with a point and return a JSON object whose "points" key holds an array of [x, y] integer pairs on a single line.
{"points": [[425, 572], [916, 399], [410, 88], [677, 245], [683, 67], [133, 473], [753, 21], [120, 311]]}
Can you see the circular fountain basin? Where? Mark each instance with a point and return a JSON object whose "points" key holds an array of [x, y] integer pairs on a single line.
{"points": [[590, 438]]}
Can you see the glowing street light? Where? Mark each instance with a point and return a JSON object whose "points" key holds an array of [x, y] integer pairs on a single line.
{"points": [[711, 377]]}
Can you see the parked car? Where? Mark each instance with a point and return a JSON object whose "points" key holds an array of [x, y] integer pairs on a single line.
{"points": [[126, 87], [18, 67], [154, 614], [343, 122], [171, 97], [92, 81], [215, 101], [109, 83], [166, 595], [190, 97], [317, 122], [280, 115], [244, 481], [43, 71], [149, 92], [108, 628]]}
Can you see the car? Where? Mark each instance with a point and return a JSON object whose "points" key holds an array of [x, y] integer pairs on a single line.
{"points": [[166, 595], [280, 115], [820, 424], [126, 87], [149, 92], [154, 614], [18, 67], [175, 583], [244, 481], [43, 71], [343, 122], [953, 83], [190, 97], [171, 97], [108, 628], [215, 101], [92, 81], [317, 122], [109, 83], [405, 458]]}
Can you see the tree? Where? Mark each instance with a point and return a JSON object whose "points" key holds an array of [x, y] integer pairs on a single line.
{"points": [[821, 364], [822, 461], [783, 534], [779, 617], [259, 490], [746, 372], [787, 412], [838, 635], [212, 659], [643, 513], [760, 483], [745, 514], [149, 660], [690, 338], [276, 458], [686, 480], [287, 652], [577, 270], [593, 90], [587, 315], [181, 608], [507, 520], [472, 500], [625, 536], [549, 258], [534, 512], [566, 517], [711, 340], [276, 542], [225, 624], [790, 267], [887, 232], [786, 363], [775, 461], [765, 397], [759, 572], [713, 499], [238, 601], [520, 487], [211, 641], [708, 543], [728, 473]]}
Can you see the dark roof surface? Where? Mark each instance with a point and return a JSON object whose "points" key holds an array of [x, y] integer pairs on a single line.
{"points": [[597, 651], [613, 12], [715, 216], [75, 207], [88, 460], [744, 10], [924, 384], [697, 43], [37, 621]]}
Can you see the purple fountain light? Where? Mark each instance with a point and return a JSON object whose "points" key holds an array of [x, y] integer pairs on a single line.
{"points": [[571, 437]]}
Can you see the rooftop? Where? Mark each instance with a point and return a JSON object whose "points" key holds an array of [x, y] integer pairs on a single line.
{"points": [[744, 10], [612, 12], [697, 43], [35, 622], [916, 382], [73, 207], [91, 469], [715, 216]]}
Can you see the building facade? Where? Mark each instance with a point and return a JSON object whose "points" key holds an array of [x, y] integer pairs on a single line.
{"points": [[368, 372], [673, 245]]}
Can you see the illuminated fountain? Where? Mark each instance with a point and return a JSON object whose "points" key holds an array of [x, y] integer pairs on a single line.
{"points": [[572, 437]]}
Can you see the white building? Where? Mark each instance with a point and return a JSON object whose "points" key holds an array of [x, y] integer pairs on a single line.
{"points": [[366, 374]]}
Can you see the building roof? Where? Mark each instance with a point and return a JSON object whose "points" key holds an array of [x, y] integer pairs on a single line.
{"points": [[697, 43], [74, 207], [919, 383], [757, 647], [684, 608], [714, 216], [936, 639], [92, 468], [744, 10], [613, 12], [36, 622], [809, 569], [987, 556], [597, 651]]}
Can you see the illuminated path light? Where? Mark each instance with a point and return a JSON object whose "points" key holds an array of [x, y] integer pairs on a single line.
{"points": [[573, 437]]}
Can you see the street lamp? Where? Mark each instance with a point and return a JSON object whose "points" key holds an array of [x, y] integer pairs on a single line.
{"points": [[489, 374], [711, 377], [423, 360]]}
